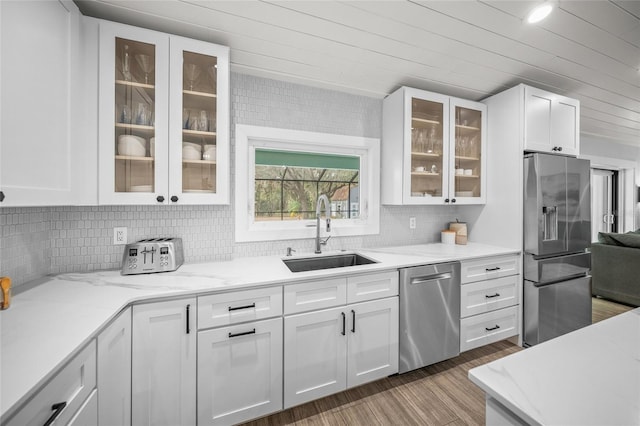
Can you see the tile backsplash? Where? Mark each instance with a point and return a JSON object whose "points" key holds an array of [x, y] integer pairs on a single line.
{"points": [[38, 241]]}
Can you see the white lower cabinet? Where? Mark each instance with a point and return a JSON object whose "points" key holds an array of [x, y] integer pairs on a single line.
{"points": [[163, 370], [489, 300], [480, 330], [64, 396], [239, 372], [330, 350], [114, 372], [87, 415]]}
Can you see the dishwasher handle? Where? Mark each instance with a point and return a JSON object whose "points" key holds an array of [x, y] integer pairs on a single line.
{"points": [[429, 278]]}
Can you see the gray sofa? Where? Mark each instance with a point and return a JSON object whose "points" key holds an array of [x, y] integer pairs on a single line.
{"points": [[615, 267]]}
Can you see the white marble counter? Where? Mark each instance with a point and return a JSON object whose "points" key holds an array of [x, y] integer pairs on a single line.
{"points": [[588, 377], [47, 324]]}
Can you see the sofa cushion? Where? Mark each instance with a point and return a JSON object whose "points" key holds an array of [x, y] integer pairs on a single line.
{"points": [[630, 239]]}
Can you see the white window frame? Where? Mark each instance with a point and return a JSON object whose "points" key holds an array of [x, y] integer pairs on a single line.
{"points": [[248, 138]]}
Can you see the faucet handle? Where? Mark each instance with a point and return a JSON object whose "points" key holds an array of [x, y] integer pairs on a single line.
{"points": [[289, 251], [324, 242]]}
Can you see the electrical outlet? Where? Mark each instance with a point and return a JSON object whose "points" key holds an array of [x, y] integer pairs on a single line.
{"points": [[412, 223], [120, 235]]}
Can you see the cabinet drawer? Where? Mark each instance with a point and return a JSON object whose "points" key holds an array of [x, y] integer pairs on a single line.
{"points": [[231, 308], [486, 296], [315, 295], [488, 268], [487, 328], [72, 385], [372, 286]]}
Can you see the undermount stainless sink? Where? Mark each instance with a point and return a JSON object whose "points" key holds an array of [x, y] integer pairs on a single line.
{"points": [[326, 262]]}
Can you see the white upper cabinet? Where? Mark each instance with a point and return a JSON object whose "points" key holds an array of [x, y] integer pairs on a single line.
{"points": [[43, 161], [433, 149], [552, 122], [164, 113]]}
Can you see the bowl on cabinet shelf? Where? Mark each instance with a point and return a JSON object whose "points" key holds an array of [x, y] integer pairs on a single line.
{"points": [[131, 145], [209, 153], [191, 151]]}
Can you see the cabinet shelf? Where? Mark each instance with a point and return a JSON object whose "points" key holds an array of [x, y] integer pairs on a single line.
{"points": [[425, 154], [138, 127], [132, 158], [199, 94], [467, 176], [188, 132], [425, 174], [424, 121], [471, 128], [462, 158], [199, 161], [135, 84]]}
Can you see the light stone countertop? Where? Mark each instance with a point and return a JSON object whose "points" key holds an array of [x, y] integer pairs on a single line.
{"points": [[588, 377], [48, 323]]}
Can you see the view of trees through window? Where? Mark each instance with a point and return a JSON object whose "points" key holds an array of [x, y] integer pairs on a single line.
{"points": [[287, 185]]}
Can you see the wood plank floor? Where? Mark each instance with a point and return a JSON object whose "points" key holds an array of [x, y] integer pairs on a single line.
{"points": [[440, 394]]}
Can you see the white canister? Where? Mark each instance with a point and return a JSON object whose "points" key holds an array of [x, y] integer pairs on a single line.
{"points": [[448, 237]]}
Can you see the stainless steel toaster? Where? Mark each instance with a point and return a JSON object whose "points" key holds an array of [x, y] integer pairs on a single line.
{"points": [[152, 255]]}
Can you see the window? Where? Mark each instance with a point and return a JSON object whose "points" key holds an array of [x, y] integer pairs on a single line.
{"points": [[280, 174]]}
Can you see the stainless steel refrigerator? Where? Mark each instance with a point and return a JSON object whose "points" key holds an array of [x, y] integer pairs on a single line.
{"points": [[557, 233]]}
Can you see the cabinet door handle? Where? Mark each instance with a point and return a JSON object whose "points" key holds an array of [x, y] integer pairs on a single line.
{"points": [[492, 328], [242, 334], [174, 198], [491, 296], [1, 196], [453, 200], [497, 268], [446, 200], [188, 326], [344, 324], [160, 198], [57, 409], [353, 318], [559, 148], [253, 305]]}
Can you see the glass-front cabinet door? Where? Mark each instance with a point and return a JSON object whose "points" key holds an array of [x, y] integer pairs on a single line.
{"points": [[467, 147], [428, 154], [164, 118], [133, 115], [199, 122]]}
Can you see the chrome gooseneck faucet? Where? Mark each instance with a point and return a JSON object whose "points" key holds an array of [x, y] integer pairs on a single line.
{"points": [[327, 211]]}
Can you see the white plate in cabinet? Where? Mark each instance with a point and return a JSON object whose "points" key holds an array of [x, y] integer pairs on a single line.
{"points": [[486, 296], [480, 330], [372, 286], [314, 295], [231, 308], [488, 268], [71, 386], [239, 372]]}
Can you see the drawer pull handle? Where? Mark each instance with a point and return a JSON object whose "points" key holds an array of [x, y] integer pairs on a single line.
{"points": [[344, 324], [492, 328], [58, 407], [497, 268], [187, 315], [237, 308], [242, 334], [491, 296]]}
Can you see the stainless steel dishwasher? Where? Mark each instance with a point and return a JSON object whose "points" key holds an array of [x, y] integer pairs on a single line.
{"points": [[429, 315]]}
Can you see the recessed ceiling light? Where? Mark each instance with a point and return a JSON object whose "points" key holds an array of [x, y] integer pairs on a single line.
{"points": [[539, 13]]}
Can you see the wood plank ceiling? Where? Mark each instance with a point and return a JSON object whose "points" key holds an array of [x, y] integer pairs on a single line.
{"points": [[589, 50]]}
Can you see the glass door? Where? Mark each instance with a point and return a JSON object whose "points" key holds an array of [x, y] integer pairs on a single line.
{"points": [[132, 115], [468, 145], [198, 142], [134, 141], [427, 149]]}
